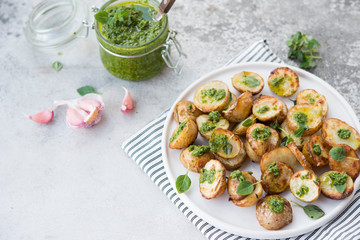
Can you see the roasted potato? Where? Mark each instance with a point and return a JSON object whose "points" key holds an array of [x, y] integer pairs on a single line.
{"points": [[235, 162], [305, 186], [299, 141], [248, 81], [225, 144], [310, 96], [335, 131], [307, 116], [240, 128], [276, 177], [299, 156], [232, 99], [185, 109], [243, 200], [349, 163], [195, 157], [283, 81], [280, 154], [259, 140], [212, 96], [184, 134], [212, 180], [240, 109], [273, 212], [336, 185], [206, 126], [315, 151], [267, 108]]}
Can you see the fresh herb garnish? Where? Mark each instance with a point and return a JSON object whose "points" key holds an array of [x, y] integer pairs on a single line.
{"points": [[264, 109], [189, 107], [276, 205], [275, 125], [286, 140], [245, 187], [179, 130], [227, 148], [317, 149], [237, 175], [214, 116], [277, 81], [303, 50], [305, 176], [207, 126], [261, 133], [86, 89], [198, 151], [247, 122], [183, 182], [217, 142], [303, 190], [57, 66], [299, 132], [311, 210], [251, 81], [274, 169], [338, 153], [344, 133], [338, 180], [207, 175], [102, 16], [213, 93]]}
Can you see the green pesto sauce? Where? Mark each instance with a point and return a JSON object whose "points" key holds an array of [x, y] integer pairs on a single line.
{"points": [[303, 190], [264, 109], [317, 149], [213, 94], [274, 169], [276, 205], [338, 178], [305, 176], [217, 142], [261, 133], [207, 175], [214, 116], [237, 174], [301, 118], [207, 126], [179, 130], [197, 151], [344, 133], [251, 81]]}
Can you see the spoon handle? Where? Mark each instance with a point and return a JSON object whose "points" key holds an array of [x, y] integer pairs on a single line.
{"points": [[165, 5]]}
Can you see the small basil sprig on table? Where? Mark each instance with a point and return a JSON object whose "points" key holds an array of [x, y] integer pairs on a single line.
{"points": [[313, 211], [57, 66], [183, 182], [86, 89], [245, 187]]}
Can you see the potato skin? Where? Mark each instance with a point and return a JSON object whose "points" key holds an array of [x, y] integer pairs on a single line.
{"points": [[240, 109], [232, 185], [271, 220], [311, 182], [311, 157], [281, 154], [299, 156], [186, 137], [238, 85], [195, 163], [185, 109], [215, 189], [239, 129], [330, 191], [329, 133], [272, 184], [350, 166], [287, 88]]}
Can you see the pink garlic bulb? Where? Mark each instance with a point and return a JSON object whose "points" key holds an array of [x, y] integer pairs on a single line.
{"points": [[83, 112]]}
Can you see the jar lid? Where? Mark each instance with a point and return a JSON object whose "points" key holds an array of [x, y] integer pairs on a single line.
{"points": [[55, 23]]}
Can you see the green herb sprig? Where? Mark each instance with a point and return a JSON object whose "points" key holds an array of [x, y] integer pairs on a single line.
{"points": [[86, 89], [183, 182], [313, 211], [57, 66], [339, 154], [303, 50], [246, 187]]}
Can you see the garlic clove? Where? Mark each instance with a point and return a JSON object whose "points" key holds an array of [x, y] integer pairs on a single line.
{"points": [[88, 105], [75, 117], [92, 116], [43, 117], [128, 103]]}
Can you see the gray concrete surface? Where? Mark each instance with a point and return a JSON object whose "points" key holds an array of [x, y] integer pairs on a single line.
{"points": [[60, 183]]}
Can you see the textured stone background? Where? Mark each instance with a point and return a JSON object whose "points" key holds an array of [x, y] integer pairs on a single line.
{"points": [[58, 183]]}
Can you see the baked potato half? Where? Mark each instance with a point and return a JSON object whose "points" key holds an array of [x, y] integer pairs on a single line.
{"points": [[347, 160], [305, 186], [195, 157], [206, 124], [212, 182], [306, 116], [240, 128], [334, 131], [280, 154], [239, 200], [185, 109], [212, 96], [268, 108], [232, 99], [299, 156], [184, 134], [336, 185], [316, 152], [225, 144], [310, 96], [248, 81], [240, 109], [299, 141], [283, 81], [274, 212], [276, 178], [259, 140], [235, 162]]}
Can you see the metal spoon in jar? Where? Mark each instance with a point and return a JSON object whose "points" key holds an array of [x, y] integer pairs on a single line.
{"points": [[164, 8]]}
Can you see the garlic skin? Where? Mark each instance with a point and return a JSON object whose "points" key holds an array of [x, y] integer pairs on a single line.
{"points": [[43, 117], [83, 112], [128, 103]]}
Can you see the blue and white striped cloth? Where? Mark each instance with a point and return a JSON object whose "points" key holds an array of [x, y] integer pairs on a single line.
{"points": [[144, 147]]}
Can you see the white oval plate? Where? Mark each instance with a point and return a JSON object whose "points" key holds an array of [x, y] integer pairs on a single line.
{"points": [[224, 214]]}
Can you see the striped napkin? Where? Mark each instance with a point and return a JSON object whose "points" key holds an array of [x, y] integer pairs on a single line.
{"points": [[144, 147]]}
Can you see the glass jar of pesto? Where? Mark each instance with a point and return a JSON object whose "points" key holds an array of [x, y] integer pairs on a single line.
{"points": [[133, 46]]}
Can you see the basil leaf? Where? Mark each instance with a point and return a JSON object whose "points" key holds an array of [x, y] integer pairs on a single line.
{"points": [[227, 148], [57, 66], [275, 125], [247, 122], [251, 81], [245, 188], [285, 141], [101, 16], [299, 132], [340, 188], [313, 211], [183, 182], [338, 153], [86, 89]]}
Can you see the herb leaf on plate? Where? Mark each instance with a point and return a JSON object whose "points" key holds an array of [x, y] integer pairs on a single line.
{"points": [[313, 211], [183, 182]]}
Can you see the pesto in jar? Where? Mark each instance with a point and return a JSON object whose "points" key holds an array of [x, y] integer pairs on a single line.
{"points": [[128, 39]]}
